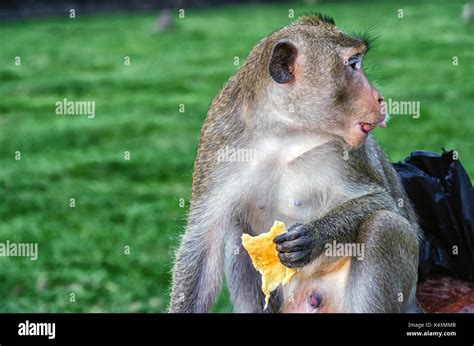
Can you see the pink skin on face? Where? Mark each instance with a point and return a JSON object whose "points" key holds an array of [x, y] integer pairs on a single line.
{"points": [[367, 127]]}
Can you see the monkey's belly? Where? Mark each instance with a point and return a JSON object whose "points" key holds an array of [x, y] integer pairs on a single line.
{"points": [[318, 288]]}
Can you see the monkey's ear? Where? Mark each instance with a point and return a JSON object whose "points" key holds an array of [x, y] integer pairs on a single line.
{"points": [[282, 62]]}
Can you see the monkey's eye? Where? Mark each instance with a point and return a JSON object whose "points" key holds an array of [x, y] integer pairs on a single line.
{"points": [[355, 62]]}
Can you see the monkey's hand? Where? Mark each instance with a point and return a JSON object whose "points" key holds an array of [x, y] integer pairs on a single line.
{"points": [[304, 242], [299, 245]]}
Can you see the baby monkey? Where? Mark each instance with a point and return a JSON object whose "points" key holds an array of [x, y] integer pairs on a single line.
{"points": [[288, 138]]}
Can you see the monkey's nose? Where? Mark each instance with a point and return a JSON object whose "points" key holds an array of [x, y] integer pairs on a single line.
{"points": [[379, 96]]}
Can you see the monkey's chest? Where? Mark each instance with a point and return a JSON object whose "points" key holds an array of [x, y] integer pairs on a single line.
{"points": [[296, 192]]}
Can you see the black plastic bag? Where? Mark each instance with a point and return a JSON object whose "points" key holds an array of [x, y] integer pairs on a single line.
{"points": [[443, 197]]}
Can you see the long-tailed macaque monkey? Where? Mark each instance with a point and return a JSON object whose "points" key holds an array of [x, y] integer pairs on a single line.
{"points": [[288, 138]]}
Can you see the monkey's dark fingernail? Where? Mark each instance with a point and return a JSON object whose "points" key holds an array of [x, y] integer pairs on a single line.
{"points": [[279, 239]]}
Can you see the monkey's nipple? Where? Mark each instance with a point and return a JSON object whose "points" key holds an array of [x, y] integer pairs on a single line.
{"points": [[315, 300]]}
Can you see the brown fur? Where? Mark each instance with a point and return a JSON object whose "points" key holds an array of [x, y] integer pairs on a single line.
{"points": [[299, 103]]}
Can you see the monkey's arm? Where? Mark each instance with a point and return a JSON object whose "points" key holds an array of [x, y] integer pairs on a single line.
{"points": [[304, 242]]}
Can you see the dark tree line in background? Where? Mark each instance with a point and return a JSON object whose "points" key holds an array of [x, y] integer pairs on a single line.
{"points": [[10, 9]]}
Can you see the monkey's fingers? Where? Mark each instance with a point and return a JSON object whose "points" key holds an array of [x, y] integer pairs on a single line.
{"points": [[286, 237], [294, 259], [293, 233], [302, 243], [295, 227]]}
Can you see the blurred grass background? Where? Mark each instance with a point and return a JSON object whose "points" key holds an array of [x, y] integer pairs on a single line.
{"points": [[136, 203]]}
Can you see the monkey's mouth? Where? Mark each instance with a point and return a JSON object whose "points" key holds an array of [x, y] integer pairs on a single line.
{"points": [[367, 127]]}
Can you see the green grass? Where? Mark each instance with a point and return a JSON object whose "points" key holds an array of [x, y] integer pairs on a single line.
{"points": [[136, 202]]}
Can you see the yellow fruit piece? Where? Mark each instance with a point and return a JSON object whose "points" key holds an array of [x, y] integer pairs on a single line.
{"points": [[264, 255]]}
